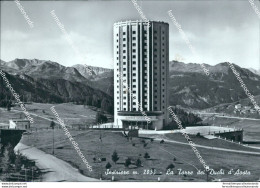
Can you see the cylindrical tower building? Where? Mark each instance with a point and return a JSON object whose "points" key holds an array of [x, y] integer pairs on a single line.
{"points": [[141, 61]]}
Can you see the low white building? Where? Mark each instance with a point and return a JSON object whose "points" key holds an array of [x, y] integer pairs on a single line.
{"points": [[238, 106], [19, 124]]}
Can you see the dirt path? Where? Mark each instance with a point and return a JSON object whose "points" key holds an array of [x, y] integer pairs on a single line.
{"points": [[57, 170]]}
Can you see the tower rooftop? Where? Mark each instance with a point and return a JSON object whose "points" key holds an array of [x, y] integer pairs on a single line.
{"points": [[137, 21]]}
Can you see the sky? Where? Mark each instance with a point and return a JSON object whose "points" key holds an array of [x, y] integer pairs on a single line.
{"points": [[219, 31]]}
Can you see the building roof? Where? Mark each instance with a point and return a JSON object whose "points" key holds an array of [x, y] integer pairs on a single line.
{"points": [[20, 120], [138, 21]]}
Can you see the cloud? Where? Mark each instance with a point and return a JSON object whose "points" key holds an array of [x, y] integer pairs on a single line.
{"points": [[218, 30]]}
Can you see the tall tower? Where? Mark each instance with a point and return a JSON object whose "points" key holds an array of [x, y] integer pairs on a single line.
{"points": [[141, 61]]}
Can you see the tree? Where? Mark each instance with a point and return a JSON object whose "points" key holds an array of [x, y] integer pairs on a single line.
{"points": [[101, 118], [115, 157], [146, 156], [9, 104], [18, 162], [6, 163], [11, 153], [138, 163], [127, 162], [108, 165], [52, 124], [88, 100]]}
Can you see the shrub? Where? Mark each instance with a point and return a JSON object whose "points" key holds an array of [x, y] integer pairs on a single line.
{"points": [[162, 141], [133, 144], [138, 163], [115, 157], [145, 144], [108, 165], [174, 159], [146, 156], [152, 139], [127, 162], [170, 166], [94, 159]]}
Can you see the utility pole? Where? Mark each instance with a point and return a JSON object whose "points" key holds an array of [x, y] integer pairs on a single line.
{"points": [[52, 126], [32, 173], [100, 138], [25, 174], [53, 141]]}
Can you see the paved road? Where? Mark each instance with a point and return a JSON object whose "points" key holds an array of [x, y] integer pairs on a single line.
{"points": [[39, 116], [57, 170], [226, 116], [212, 148]]}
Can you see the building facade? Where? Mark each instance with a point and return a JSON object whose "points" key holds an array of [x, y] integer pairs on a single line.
{"points": [[19, 124], [141, 61]]}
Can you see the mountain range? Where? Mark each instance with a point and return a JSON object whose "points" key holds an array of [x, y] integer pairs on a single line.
{"points": [[189, 86], [47, 81]]}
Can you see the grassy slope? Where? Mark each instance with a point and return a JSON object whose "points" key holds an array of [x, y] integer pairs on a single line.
{"points": [[70, 113], [90, 145]]}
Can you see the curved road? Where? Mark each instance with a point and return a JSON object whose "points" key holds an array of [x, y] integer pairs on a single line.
{"points": [[56, 169]]}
